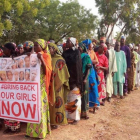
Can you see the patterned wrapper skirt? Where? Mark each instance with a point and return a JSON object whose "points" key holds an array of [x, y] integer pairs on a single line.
{"points": [[73, 106]]}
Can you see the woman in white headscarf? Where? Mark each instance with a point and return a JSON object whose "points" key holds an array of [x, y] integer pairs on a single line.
{"points": [[73, 60]]}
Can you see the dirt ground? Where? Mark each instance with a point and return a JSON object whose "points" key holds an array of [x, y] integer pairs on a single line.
{"points": [[118, 120]]}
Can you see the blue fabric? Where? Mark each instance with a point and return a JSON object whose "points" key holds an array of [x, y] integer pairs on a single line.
{"points": [[93, 89], [87, 42]]}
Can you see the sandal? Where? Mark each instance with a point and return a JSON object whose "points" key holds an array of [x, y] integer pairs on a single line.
{"points": [[121, 97], [74, 122], [54, 127], [26, 136], [102, 103], [85, 117]]}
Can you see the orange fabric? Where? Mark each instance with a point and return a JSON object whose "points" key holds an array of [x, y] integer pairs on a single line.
{"points": [[92, 55], [47, 60]]}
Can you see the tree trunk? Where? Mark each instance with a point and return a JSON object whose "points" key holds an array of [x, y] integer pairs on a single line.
{"points": [[111, 31], [121, 32], [107, 30]]}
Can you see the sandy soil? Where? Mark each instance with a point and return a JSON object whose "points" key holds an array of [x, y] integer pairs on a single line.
{"points": [[118, 120]]}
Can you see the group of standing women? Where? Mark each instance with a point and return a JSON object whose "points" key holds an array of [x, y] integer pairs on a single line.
{"points": [[71, 83]]}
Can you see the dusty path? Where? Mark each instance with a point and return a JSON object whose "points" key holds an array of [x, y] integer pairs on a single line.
{"points": [[118, 120]]}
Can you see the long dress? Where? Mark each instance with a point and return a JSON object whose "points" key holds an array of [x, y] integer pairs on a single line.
{"points": [[136, 61], [43, 128], [131, 73], [119, 77], [86, 65], [138, 72], [112, 69], [103, 61], [93, 82], [74, 64], [128, 61], [93, 89], [59, 89]]}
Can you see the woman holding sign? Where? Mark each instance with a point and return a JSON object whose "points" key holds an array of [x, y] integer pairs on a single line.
{"points": [[42, 129], [10, 125], [59, 88]]}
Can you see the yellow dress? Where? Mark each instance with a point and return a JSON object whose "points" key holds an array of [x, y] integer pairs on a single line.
{"points": [[59, 89], [42, 129]]}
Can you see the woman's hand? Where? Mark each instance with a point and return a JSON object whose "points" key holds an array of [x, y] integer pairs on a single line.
{"points": [[28, 53], [94, 62], [112, 74], [85, 81], [39, 55]]}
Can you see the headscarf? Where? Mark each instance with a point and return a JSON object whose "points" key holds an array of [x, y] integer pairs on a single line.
{"points": [[29, 44], [123, 37], [43, 44], [87, 42], [60, 48], [73, 41], [14, 44], [20, 45], [48, 62], [131, 46], [10, 46], [54, 46], [52, 41], [83, 46]]}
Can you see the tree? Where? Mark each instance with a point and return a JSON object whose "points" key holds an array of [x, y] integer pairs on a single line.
{"points": [[18, 19], [60, 20], [121, 13], [48, 20]]}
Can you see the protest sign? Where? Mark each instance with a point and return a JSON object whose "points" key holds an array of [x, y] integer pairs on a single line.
{"points": [[20, 88]]}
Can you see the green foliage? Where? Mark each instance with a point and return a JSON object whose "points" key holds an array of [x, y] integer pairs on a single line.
{"points": [[48, 19], [61, 20], [133, 38], [121, 11]]}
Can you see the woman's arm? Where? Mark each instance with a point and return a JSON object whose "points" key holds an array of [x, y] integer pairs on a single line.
{"points": [[39, 55], [86, 77]]}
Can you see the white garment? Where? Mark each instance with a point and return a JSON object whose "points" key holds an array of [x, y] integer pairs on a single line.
{"points": [[112, 68], [138, 74], [72, 96]]}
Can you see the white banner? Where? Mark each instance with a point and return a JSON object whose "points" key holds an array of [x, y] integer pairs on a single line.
{"points": [[20, 88]]}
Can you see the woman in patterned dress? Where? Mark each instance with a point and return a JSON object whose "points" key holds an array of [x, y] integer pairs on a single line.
{"points": [[42, 129], [86, 69], [73, 60], [59, 88], [101, 67]]}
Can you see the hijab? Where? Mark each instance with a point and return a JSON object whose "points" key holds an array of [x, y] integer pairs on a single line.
{"points": [[87, 42]]}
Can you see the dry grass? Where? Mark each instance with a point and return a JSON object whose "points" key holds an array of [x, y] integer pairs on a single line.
{"points": [[118, 120]]}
